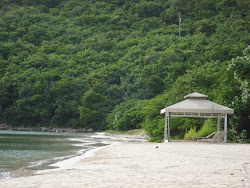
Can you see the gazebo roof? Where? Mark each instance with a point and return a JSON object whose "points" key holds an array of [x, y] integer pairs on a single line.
{"points": [[197, 105], [196, 95]]}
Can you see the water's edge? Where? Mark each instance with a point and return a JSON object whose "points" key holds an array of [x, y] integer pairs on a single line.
{"points": [[61, 164], [73, 162], [70, 163]]}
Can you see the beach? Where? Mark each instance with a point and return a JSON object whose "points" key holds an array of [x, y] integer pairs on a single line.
{"points": [[144, 164]]}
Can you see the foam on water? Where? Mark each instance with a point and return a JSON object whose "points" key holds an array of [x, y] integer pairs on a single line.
{"points": [[52, 151], [73, 162]]}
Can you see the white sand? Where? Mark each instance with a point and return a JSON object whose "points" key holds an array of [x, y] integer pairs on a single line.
{"points": [[142, 164]]}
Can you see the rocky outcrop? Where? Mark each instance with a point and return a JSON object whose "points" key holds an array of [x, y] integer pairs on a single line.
{"points": [[22, 172], [4, 126], [45, 129]]}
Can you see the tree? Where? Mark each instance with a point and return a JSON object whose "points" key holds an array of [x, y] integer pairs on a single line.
{"points": [[92, 111], [241, 103]]}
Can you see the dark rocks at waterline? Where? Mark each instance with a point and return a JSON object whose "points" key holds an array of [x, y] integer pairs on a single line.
{"points": [[83, 130], [4, 126], [45, 129], [69, 130], [22, 172]]}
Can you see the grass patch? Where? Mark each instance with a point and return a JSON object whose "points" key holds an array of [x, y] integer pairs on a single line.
{"points": [[115, 132], [130, 132], [135, 131]]}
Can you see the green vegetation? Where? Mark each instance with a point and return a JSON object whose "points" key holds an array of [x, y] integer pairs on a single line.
{"points": [[114, 64], [115, 132], [135, 131], [207, 128], [130, 132], [190, 133]]}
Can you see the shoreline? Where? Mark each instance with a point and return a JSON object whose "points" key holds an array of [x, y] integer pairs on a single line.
{"points": [[70, 164], [58, 164], [109, 140], [144, 164]]}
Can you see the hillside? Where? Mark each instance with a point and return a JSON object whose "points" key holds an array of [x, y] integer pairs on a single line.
{"points": [[98, 64]]}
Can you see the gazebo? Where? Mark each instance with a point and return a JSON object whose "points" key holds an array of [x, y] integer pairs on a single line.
{"points": [[196, 105]]}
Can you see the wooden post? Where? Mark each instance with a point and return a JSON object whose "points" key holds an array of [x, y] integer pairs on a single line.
{"points": [[225, 128], [169, 127], [165, 128], [218, 124]]}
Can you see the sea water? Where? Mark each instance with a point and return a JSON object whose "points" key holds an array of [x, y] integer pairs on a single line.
{"points": [[39, 150]]}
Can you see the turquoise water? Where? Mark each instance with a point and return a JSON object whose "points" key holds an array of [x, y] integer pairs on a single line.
{"points": [[37, 150]]}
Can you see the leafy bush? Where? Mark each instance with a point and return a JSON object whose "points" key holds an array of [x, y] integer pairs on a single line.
{"points": [[190, 133], [155, 129], [235, 136], [207, 128], [126, 116]]}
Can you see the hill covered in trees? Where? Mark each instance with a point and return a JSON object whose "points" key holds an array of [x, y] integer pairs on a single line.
{"points": [[114, 64]]}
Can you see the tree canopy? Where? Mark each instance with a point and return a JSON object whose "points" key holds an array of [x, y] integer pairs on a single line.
{"points": [[114, 64]]}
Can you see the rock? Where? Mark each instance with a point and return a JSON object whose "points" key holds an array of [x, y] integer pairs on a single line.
{"points": [[42, 128], [90, 131], [80, 130], [4, 126], [22, 172]]}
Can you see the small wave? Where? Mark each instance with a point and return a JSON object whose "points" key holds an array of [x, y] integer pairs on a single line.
{"points": [[100, 136], [4, 174], [37, 163], [71, 162], [85, 140], [82, 145]]}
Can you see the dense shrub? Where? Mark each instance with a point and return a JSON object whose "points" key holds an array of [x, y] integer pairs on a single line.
{"points": [[207, 128], [190, 133]]}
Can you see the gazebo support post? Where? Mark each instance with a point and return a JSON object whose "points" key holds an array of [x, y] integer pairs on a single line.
{"points": [[219, 124], [225, 128], [169, 127], [165, 128]]}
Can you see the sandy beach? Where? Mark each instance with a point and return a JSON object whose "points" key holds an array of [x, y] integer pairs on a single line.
{"points": [[144, 164]]}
